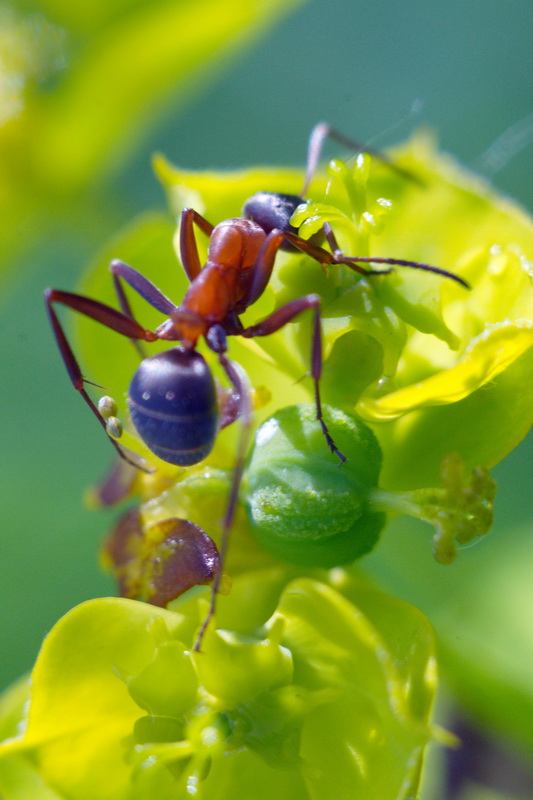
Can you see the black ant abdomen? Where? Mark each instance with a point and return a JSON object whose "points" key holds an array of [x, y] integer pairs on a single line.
{"points": [[173, 404]]}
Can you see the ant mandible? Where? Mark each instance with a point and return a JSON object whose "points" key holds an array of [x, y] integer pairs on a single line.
{"points": [[172, 396]]}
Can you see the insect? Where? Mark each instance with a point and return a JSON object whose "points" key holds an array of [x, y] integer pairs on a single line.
{"points": [[172, 396]]}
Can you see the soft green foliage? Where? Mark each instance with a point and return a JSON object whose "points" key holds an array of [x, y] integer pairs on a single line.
{"points": [[481, 610], [310, 684], [93, 79], [303, 675], [120, 709]]}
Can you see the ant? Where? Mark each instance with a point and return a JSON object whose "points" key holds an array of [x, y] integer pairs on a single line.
{"points": [[172, 396]]}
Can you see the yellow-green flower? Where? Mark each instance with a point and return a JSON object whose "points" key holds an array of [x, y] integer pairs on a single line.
{"points": [[326, 696], [310, 684], [433, 368], [440, 373]]}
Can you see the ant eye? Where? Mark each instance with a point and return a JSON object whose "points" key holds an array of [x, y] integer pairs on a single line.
{"points": [[304, 508]]}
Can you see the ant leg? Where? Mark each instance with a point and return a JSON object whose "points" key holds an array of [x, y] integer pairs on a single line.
{"points": [[263, 266], [352, 262], [239, 379], [317, 139], [339, 255], [126, 309], [145, 288], [325, 257], [111, 318], [323, 131], [331, 239], [188, 247], [277, 320]]}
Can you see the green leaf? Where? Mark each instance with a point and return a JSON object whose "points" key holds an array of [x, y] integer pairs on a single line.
{"points": [[481, 611], [94, 79], [111, 90], [80, 709], [369, 757]]}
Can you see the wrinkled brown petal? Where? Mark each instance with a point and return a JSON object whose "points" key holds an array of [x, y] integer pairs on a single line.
{"points": [[184, 558]]}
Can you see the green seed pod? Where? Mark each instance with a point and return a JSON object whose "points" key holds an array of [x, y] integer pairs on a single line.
{"points": [[305, 507]]}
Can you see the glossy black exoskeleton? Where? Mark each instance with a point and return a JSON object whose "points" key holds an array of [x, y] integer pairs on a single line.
{"points": [[273, 210], [173, 404]]}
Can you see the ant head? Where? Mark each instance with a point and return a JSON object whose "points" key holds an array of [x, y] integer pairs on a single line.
{"points": [[272, 210]]}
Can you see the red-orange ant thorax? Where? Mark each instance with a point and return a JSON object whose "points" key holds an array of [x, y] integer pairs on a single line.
{"points": [[184, 326], [235, 243], [222, 283]]}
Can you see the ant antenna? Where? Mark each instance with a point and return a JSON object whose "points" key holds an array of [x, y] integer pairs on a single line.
{"points": [[506, 146], [323, 131]]}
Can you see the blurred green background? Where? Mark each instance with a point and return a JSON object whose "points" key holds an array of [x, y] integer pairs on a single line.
{"points": [[375, 70]]}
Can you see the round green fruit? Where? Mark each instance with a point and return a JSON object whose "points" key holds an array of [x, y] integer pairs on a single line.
{"points": [[304, 505]]}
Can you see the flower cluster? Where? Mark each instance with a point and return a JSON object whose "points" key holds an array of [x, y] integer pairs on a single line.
{"points": [[311, 683], [427, 364], [326, 685]]}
